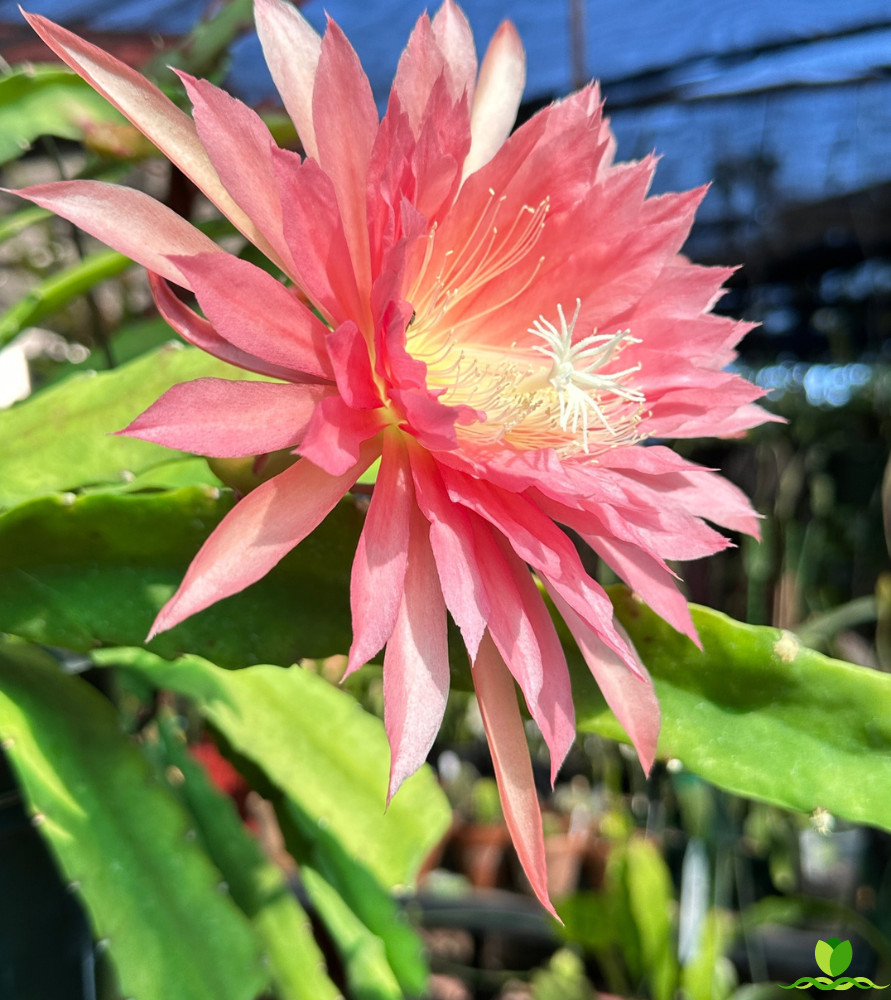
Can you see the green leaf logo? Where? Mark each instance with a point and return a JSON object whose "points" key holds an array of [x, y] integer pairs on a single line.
{"points": [[833, 956]]}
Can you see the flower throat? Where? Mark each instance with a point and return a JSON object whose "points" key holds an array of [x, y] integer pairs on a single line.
{"points": [[545, 393]]}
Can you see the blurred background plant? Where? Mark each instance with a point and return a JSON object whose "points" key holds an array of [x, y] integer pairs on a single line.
{"points": [[290, 882]]}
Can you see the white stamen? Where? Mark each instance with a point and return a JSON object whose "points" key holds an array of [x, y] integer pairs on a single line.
{"points": [[582, 392]]}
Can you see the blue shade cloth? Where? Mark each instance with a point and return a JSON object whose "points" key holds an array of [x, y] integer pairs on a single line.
{"points": [[788, 97]]}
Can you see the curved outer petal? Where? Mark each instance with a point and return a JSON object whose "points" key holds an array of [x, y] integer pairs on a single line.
{"points": [[453, 35], [352, 367], [292, 48], [259, 531], [652, 581], [198, 332], [335, 434], [240, 148], [451, 539], [314, 232], [346, 124], [416, 663], [631, 697], [420, 64], [228, 419], [497, 98], [705, 494], [378, 575], [155, 115], [257, 314], [513, 768], [538, 541], [524, 633], [132, 222]]}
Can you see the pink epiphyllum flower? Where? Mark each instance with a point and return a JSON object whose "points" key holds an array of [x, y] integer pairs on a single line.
{"points": [[505, 320]]}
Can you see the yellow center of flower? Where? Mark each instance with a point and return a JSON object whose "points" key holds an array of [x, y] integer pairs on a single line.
{"points": [[538, 391]]}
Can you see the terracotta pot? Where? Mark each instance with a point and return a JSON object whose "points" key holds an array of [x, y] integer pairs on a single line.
{"points": [[565, 853], [480, 848]]}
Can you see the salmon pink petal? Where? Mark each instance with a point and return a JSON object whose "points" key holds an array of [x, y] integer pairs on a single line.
{"points": [[346, 123], [314, 233], [451, 539], [497, 98], [378, 576], [416, 663], [649, 578], [240, 148], [197, 331], [654, 460], [513, 768], [432, 423], [524, 633], [420, 66], [705, 494], [155, 115], [454, 37], [336, 433], [228, 419], [128, 220], [352, 367], [631, 696], [728, 421], [257, 314], [291, 47], [439, 154], [538, 541], [258, 532]]}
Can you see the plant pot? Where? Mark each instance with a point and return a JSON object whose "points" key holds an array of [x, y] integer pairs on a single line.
{"points": [[480, 848]]}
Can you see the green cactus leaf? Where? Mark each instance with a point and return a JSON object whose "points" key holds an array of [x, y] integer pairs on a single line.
{"points": [[121, 840], [71, 425]]}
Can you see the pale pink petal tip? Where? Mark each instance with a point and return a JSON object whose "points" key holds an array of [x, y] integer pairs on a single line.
{"points": [[513, 767]]}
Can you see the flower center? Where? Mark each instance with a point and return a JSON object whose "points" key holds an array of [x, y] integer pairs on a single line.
{"points": [[591, 400], [538, 392]]}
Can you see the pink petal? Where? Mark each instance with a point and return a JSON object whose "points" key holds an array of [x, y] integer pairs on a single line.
{"points": [[431, 422], [729, 421], [513, 768], [453, 35], [291, 48], [524, 633], [227, 419], [259, 531], [139, 100], [352, 367], [631, 696], [257, 314], [498, 95], [416, 663], [705, 494], [654, 460], [240, 148], [661, 528], [648, 578], [336, 433], [378, 575], [315, 236], [346, 123], [538, 541], [420, 65], [451, 539], [438, 157], [128, 220], [197, 331]]}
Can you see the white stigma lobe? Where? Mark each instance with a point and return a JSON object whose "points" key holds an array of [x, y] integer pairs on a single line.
{"points": [[586, 394]]}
